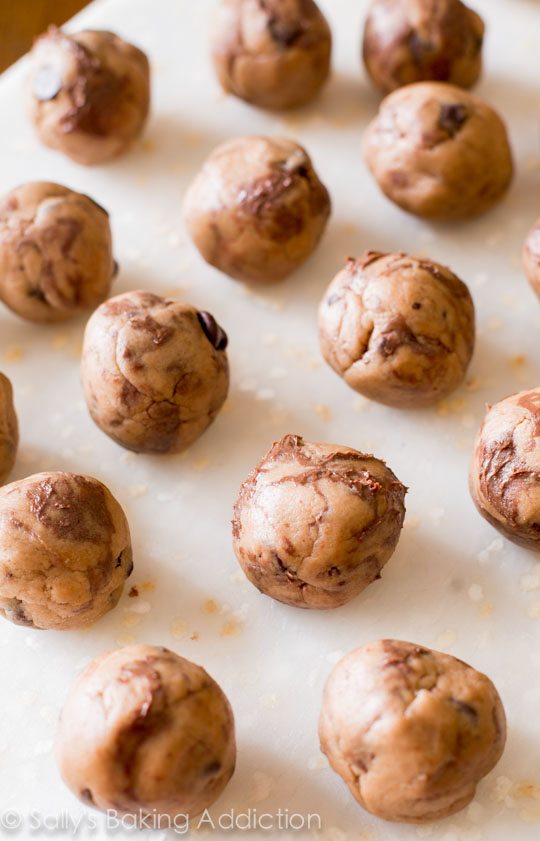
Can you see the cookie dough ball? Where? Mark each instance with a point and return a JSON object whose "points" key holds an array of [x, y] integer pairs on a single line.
{"points": [[65, 551], [531, 257], [9, 429], [411, 731], [55, 252], [89, 93], [154, 371], [505, 471], [409, 41], [439, 152], [144, 731], [398, 329], [257, 209], [314, 524], [274, 54]]}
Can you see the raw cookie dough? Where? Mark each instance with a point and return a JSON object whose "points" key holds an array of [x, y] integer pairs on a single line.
{"points": [[439, 152], [154, 371], [314, 524], [531, 257], [274, 54], [65, 551], [9, 429], [55, 252], [89, 93], [398, 329], [257, 209], [144, 731], [411, 731], [409, 41], [505, 471]]}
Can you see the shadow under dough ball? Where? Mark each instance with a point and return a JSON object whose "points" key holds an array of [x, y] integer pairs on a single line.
{"points": [[410, 730], [89, 93], [409, 41], [398, 329], [65, 551], [505, 471], [257, 209], [9, 429], [439, 152], [531, 257], [314, 524], [274, 54], [163, 742], [154, 371], [55, 252]]}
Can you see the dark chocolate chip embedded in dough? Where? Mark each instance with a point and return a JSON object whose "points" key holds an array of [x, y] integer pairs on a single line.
{"points": [[452, 117], [213, 332]]}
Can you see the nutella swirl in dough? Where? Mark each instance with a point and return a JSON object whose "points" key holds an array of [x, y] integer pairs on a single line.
{"points": [[505, 471], [55, 252], [144, 731], [409, 41], [398, 329], [89, 93], [272, 53], [411, 731], [314, 524], [257, 209], [65, 551], [9, 429], [154, 371], [439, 152]]}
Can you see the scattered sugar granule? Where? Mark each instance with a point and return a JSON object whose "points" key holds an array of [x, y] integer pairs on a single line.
{"points": [[263, 786], [131, 619], [178, 629], [531, 581], [533, 611], [447, 638], [210, 607], [231, 628], [317, 763], [59, 341], [265, 394], [194, 636], [324, 412], [495, 546], [487, 609], [14, 353], [125, 639], [476, 593], [137, 490], [141, 607], [201, 463]]}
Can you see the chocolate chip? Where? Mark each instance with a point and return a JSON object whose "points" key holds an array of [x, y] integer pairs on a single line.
{"points": [[213, 332], [417, 306], [46, 83], [452, 117], [86, 795], [284, 34]]}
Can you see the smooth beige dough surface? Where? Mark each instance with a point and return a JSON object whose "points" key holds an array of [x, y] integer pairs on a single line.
{"points": [[257, 209], [274, 54], [505, 469], [314, 524], [144, 730], [398, 329], [56, 257], [411, 731], [439, 152], [65, 551], [88, 93], [154, 371]]}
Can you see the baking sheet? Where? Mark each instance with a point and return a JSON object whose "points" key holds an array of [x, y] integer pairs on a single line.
{"points": [[453, 583]]}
